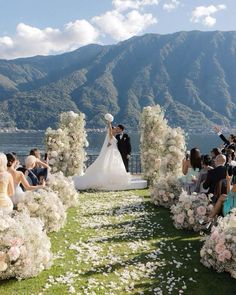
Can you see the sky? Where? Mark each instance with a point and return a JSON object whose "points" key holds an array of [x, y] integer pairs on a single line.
{"points": [[30, 27]]}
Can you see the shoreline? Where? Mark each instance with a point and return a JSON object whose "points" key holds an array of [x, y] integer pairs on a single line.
{"points": [[96, 130]]}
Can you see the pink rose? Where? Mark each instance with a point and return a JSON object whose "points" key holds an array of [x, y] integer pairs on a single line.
{"points": [[215, 235], [201, 210], [16, 242], [219, 248], [221, 257], [13, 253], [180, 218], [227, 254]]}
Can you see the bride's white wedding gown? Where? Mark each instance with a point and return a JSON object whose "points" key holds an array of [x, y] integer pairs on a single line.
{"points": [[107, 172]]}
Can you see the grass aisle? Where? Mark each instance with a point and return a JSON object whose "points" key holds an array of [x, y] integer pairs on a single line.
{"points": [[119, 243]]}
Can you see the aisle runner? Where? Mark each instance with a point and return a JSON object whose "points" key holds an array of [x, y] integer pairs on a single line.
{"points": [[122, 248]]}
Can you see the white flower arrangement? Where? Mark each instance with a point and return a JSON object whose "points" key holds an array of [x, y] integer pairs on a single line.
{"points": [[25, 249], [45, 205], [219, 249], [65, 188], [66, 144], [108, 117], [153, 129], [166, 190], [191, 211], [174, 152], [162, 147]]}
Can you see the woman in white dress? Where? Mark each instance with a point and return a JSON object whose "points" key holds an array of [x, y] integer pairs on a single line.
{"points": [[6, 186], [19, 178], [108, 171]]}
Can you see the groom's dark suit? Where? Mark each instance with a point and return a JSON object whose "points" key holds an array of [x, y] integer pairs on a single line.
{"points": [[124, 146]]}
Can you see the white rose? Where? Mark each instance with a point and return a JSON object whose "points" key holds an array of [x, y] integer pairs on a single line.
{"points": [[54, 154], [3, 266], [33, 207]]}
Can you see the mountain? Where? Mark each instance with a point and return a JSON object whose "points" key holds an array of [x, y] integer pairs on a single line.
{"points": [[191, 74]]}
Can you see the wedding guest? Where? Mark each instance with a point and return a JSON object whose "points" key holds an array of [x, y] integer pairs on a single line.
{"points": [[41, 167], [193, 163], [206, 166], [124, 145], [229, 143], [226, 202], [30, 163], [215, 176], [214, 153], [19, 179], [191, 167], [6, 186]]}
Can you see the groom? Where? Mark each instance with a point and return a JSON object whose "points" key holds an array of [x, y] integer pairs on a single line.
{"points": [[123, 144]]}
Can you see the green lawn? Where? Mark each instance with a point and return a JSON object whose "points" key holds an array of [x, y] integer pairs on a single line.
{"points": [[119, 243]]}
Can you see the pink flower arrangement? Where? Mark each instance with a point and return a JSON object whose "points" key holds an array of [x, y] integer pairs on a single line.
{"points": [[166, 190], [191, 211], [25, 247], [219, 249]]}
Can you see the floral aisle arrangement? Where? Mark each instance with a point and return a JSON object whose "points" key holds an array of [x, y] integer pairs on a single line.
{"points": [[65, 188], [166, 190], [57, 147], [45, 205], [66, 144], [219, 249], [153, 129], [25, 249], [191, 211], [174, 152]]}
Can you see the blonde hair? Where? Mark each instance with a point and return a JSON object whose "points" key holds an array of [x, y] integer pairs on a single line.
{"points": [[3, 162], [29, 161]]}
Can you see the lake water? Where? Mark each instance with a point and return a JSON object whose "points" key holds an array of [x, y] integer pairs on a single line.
{"points": [[22, 142]]}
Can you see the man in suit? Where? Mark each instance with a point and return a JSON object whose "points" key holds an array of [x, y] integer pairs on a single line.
{"points": [[228, 143], [123, 144], [215, 175]]}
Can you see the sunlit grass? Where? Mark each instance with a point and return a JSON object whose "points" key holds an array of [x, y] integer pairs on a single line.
{"points": [[124, 241]]}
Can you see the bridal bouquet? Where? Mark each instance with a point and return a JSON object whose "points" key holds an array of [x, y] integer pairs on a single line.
{"points": [[108, 117], [219, 249], [66, 145], [166, 191], [25, 249], [65, 188], [45, 205], [174, 152], [191, 211], [153, 129]]}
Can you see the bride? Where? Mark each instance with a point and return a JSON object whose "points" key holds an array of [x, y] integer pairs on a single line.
{"points": [[108, 171]]}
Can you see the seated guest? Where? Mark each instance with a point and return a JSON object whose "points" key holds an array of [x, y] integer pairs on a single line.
{"points": [[41, 168], [193, 163], [229, 143], [230, 157], [6, 186], [19, 179], [214, 153], [30, 163], [215, 176], [206, 166], [225, 203], [190, 169]]}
